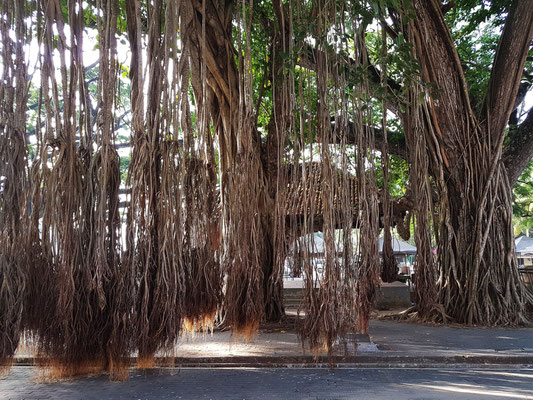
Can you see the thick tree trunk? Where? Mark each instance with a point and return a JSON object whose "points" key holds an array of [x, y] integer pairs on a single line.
{"points": [[479, 282], [479, 278]]}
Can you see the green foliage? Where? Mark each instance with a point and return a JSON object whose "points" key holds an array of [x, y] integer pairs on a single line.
{"points": [[523, 201], [124, 165], [261, 47], [400, 66], [476, 29], [398, 175], [477, 50], [469, 15]]}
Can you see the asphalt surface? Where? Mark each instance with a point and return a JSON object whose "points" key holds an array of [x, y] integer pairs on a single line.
{"points": [[293, 384]]}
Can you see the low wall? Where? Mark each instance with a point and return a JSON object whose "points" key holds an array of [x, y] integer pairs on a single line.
{"points": [[390, 296]]}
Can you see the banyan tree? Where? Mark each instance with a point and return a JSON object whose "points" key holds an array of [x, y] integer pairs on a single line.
{"points": [[251, 125]]}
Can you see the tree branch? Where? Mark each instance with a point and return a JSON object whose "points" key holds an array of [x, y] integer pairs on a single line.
{"points": [[309, 55], [519, 150], [396, 147], [509, 65], [450, 108]]}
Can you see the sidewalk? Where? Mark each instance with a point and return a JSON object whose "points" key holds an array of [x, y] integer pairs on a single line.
{"points": [[397, 344]]}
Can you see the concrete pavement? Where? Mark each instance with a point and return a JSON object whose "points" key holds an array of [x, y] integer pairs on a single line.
{"points": [[420, 339], [398, 344]]}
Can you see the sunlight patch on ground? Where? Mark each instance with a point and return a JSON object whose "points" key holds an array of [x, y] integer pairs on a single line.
{"points": [[473, 390], [507, 374]]}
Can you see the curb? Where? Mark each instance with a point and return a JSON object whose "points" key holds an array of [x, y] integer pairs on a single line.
{"points": [[361, 361]]}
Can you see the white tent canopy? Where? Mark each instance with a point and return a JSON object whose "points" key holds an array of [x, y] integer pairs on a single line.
{"points": [[315, 244], [523, 245], [398, 246]]}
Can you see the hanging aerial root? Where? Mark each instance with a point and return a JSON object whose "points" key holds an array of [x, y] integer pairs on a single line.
{"points": [[145, 361], [242, 310], [82, 326], [244, 297], [202, 323], [54, 370], [13, 179], [435, 315], [202, 275], [202, 291], [11, 306]]}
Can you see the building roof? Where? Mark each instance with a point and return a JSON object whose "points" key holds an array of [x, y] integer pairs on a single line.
{"points": [[523, 245], [398, 246]]}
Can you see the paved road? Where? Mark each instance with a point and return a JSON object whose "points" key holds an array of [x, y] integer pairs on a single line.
{"points": [[293, 384]]}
